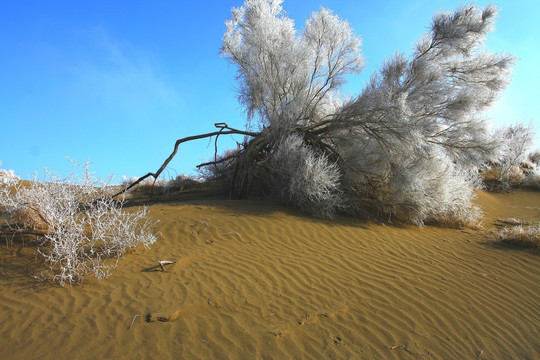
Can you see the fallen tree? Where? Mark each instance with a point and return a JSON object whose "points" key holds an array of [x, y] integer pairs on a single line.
{"points": [[411, 144]]}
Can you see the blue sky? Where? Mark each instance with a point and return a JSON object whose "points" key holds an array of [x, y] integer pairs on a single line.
{"points": [[118, 82]]}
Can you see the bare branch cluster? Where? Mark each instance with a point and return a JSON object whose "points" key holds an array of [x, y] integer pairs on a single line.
{"points": [[79, 228]]}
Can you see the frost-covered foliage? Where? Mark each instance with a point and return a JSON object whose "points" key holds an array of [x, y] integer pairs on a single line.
{"points": [[306, 180], [509, 161], [288, 79], [412, 143], [80, 229], [430, 189], [528, 236], [8, 177], [534, 157], [415, 136]]}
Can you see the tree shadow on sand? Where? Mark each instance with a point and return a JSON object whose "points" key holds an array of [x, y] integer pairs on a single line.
{"points": [[20, 264]]}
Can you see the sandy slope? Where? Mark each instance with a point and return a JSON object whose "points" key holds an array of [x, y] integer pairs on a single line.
{"points": [[253, 280]]}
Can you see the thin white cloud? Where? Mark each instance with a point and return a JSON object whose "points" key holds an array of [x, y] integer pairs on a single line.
{"points": [[118, 75]]}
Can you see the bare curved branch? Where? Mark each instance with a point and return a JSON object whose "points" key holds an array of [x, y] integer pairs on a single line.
{"points": [[224, 129]]}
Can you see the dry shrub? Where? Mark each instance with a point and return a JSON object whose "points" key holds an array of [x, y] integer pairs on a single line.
{"points": [[515, 176], [221, 166], [534, 157], [513, 221], [533, 179], [498, 178], [523, 236], [149, 184], [79, 228], [180, 183]]}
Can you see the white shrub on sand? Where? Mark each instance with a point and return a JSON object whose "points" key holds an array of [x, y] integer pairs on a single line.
{"points": [[511, 156], [306, 180], [80, 229], [519, 235], [532, 178]]}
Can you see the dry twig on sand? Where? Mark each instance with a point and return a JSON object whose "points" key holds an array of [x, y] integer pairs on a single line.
{"points": [[133, 321], [211, 303], [162, 264], [399, 347]]}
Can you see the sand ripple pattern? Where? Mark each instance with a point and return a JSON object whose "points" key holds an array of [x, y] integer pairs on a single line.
{"points": [[252, 280]]}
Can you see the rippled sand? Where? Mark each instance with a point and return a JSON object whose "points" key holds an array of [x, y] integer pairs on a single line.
{"points": [[254, 280]]}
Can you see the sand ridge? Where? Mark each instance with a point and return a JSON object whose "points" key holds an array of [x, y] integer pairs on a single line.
{"points": [[255, 280]]}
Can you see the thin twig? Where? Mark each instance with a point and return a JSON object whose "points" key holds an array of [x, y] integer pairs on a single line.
{"points": [[414, 332], [399, 347], [231, 233], [133, 321], [210, 302]]}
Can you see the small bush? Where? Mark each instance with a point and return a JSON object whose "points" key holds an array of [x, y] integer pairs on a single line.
{"points": [[508, 165], [180, 183], [523, 236], [499, 178], [79, 228], [221, 166], [533, 179], [534, 157], [305, 180], [513, 221]]}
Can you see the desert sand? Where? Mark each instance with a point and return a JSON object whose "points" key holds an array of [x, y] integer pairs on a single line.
{"points": [[255, 280]]}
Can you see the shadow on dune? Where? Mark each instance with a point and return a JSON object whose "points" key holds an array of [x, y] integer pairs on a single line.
{"points": [[209, 195], [19, 265], [503, 246]]}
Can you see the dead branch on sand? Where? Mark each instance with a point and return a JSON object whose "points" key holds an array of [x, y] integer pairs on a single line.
{"points": [[399, 347], [133, 321], [162, 264]]}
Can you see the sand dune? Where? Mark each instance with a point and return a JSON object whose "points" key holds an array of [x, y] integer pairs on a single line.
{"points": [[253, 280]]}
